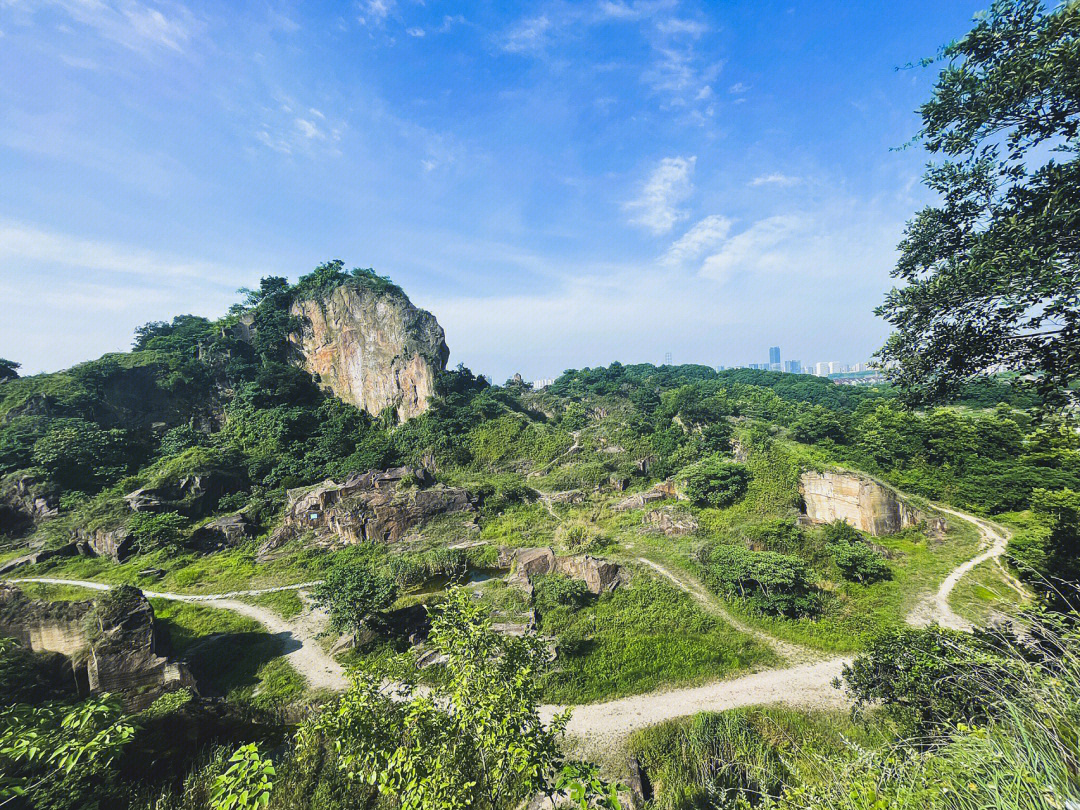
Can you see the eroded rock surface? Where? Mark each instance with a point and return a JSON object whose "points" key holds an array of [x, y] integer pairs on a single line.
{"points": [[24, 503], [225, 532], [658, 492], [599, 575], [193, 495], [860, 501], [372, 349], [111, 642], [381, 506], [672, 522]]}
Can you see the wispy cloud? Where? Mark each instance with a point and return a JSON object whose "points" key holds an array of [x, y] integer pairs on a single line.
{"points": [[751, 249], [133, 25], [656, 208], [704, 236], [775, 179], [33, 244], [738, 88], [376, 11], [527, 35]]}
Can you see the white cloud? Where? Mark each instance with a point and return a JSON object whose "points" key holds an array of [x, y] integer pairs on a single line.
{"points": [[308, 129], [135, 25], [656, 209], [31, 244], [619, 10], [415, 32], [377, 11], [775, 179], [752, 249], [705, 235], [738, 88], [527, 35], [674, 25]]}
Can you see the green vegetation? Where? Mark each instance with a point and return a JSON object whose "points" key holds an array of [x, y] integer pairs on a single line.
{"points": [[353, 591], [636, 639]]}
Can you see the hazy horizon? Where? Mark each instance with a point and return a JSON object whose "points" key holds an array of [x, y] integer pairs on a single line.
{"points": [[562, 186]]}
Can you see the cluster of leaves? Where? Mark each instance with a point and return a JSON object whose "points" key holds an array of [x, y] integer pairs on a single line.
{"points": [[855, 560], [558, 590], [772, 583], [1048, 554], [354, 590], [715, 482]]}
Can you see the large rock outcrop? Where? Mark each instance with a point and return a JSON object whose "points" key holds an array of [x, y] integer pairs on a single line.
{"points": [[25, 502], [599, 575], [111, 642], [373, 507], [864, 503], [371, 348]]}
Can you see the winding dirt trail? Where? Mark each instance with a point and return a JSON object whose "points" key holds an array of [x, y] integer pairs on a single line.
{"points": [[805, 682], [297, 637]]}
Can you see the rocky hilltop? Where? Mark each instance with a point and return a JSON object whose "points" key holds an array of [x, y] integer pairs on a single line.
{"points": [[371, 348]]}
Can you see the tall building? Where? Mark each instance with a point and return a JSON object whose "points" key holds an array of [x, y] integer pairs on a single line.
{"points": [[667, 358], [821, 369], [774, 356], [835, 367], [793, 367]]}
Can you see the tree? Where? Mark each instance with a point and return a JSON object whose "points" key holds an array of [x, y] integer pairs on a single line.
{"points": [[992, 273], [473, 739], [9, 369], [856, 560], [715, 482], [79, 455], [773, 583], [353, 591], [1049, 557]]}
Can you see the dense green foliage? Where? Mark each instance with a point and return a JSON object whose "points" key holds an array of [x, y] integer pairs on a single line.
{"points": [[856, 560], [773, 583], [991, 272], [353, 590], [715, 482]]}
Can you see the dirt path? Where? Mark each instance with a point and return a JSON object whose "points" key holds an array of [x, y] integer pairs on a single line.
{"points": [[601, 725], [298, 637], [791, 653], [934, 608]]}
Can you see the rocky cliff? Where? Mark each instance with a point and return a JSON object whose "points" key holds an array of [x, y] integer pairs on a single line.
{"points": [[371, 348], [110, 642], [858, 500]]}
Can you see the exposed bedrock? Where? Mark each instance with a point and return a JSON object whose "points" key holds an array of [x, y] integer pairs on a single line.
{"points": [[111, 642], [864, 503], [372, 348], [380, 506]]}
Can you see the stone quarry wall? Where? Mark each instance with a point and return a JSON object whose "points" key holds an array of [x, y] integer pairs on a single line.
{"points": [[116, 654], [858, 500], [372, 349]]}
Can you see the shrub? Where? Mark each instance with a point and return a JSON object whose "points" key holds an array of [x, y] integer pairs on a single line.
{"points": [[579, 538], [152, 532], [856, 560], [353, 590], [715, 482], [557, 590], [774, 584]]}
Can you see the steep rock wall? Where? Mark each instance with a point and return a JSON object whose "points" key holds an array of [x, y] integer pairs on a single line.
{"points": [[855, 499], [372, 349]]}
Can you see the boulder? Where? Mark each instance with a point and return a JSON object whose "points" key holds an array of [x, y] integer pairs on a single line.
{"points": [[371, 347], [599, 575], [111, 642], [225, 532], [658, 492], [39, 555], [380, 506], [194, 495], [671, 522], [25, 502], [116, 544]]}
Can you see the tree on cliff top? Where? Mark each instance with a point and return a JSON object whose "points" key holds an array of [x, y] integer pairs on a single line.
{"points": [[9, 369], [992, 273]]}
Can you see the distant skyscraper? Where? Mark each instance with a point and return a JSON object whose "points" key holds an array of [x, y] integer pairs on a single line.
{"points": [[667, 358], [774, 356], [821, 369], [793, 367]]}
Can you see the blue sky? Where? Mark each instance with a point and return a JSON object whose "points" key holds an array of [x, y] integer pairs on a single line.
{"points": [[562, 184]]}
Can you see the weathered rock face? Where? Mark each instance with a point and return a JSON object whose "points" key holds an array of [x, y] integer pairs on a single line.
{"points": [[193, 495], [111, 643], [373, 349], [658, 492], [116, 544], [372, 507], [24, 503], [599, 576], [39, 555], [672, 522], [855, 499], [225, 532]]}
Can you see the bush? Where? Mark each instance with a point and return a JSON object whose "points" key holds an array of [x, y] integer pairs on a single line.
{"points": [[152, 532], [558, 590], [579, 538], [856, 560], [715, 482], [353, 590], [774, 584]]}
